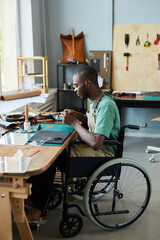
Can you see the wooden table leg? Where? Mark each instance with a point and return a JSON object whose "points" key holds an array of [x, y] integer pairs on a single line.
{"points": [[12, 195], [5, 216], [17, 203], [20, 219]]}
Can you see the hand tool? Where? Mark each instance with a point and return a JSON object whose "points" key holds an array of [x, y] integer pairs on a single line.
{"points": [[126, 39], [126, 55], [7, 131], [147, 43], [157, 40], [138, 41], [72, 61], [27, 124]]}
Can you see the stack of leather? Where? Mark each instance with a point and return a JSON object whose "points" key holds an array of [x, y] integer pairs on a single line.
{"points": [[124, 95]]}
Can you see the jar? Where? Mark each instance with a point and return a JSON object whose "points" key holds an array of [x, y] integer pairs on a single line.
{"points": [[24, 68]]}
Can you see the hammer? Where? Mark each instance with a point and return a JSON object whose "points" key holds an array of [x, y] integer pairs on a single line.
{"points": [[126, 55]]}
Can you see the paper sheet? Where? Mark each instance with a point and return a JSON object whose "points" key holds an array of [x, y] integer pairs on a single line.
{"points": [[15, 164]]}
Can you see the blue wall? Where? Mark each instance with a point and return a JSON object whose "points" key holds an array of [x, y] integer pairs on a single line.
{"points": [[92, 17], [136, 12], [95, 19]]}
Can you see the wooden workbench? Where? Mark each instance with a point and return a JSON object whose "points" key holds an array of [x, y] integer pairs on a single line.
{"points": [[13, 193]]}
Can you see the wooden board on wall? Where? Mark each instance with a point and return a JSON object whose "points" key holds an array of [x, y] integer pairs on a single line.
{"points": [[101, 61], [142, 74]]}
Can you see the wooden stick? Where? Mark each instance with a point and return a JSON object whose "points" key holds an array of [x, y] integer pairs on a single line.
{"points": [[26, 114]]}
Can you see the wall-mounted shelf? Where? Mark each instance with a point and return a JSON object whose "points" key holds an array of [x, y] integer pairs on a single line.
{"points": [[22, 71]]}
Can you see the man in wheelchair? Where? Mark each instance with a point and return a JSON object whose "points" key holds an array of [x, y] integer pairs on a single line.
{"points": [[105, 202], [103, 119], [103, 122]]}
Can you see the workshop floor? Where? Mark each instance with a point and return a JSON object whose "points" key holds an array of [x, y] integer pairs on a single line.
{"points": [[145, 228]]}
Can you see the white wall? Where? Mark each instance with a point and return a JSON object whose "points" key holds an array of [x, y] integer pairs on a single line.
{"points": [[26, 28]]}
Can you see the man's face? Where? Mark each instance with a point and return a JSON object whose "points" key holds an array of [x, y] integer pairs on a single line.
{"points": [[80, 87]]}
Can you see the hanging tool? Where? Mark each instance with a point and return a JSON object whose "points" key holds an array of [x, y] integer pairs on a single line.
{"points": [[126, 39], [126, 55], [157, 40], [147, 43], [137, 41], [158, 66]]}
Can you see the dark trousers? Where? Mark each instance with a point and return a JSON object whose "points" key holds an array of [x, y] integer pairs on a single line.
{"points": [[42, 183]]}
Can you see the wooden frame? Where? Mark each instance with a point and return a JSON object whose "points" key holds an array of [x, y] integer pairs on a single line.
{"points": [[43, 75]]}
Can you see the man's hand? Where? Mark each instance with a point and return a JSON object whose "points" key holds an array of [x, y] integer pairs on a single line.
{"points": [[79, 116], [94, 140], [67, 117]]}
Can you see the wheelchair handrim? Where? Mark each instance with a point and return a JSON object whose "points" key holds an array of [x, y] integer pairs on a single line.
{"points": [[97, 172]]}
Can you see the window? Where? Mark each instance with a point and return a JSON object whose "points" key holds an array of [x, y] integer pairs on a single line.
{"points": [[8, 63]]}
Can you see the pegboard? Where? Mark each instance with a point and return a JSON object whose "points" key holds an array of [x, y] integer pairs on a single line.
{"points": [[101, 61], [142, 74]]}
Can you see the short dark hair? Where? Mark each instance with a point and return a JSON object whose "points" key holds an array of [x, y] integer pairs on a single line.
{"points": [[87, 72]]}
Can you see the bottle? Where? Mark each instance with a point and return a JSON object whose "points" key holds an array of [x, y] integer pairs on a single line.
{"points": [[24, 67]]}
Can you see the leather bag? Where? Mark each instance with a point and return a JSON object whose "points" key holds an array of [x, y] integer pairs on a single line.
{"points": [[72, 48]]}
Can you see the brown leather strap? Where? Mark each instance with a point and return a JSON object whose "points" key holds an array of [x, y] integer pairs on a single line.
{"points": [[73, 45], [21, 117], [101, 95], [60, 61]]}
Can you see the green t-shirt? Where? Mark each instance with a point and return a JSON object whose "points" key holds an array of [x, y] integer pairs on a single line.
{"points": [[107, 119]]}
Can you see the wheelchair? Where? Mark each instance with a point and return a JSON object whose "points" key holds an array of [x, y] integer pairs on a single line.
{"points": [[115, 191]]}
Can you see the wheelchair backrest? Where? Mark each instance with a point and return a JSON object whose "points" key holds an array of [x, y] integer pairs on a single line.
{"points": [[121, 138]]}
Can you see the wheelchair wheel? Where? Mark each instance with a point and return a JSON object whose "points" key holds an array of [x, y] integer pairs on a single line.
{"points": [[125, 202], [71, 225], [55, 198]]}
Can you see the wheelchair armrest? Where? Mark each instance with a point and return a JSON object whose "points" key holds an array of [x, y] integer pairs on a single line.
{"points": [[106, 141], [111, 142], [130, 126]]}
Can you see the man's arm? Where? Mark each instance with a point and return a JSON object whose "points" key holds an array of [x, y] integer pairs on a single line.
{"points": [[94, 140]]}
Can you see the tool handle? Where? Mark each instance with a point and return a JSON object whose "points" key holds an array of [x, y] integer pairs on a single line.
{"points": [[157, 40], [126, 63], [26, 114]]}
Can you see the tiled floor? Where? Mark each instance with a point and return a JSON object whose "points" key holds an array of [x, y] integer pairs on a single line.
{"points": [[145, 228]]}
